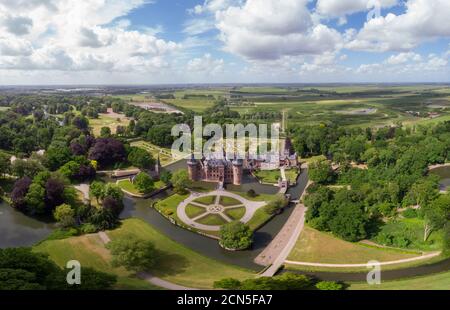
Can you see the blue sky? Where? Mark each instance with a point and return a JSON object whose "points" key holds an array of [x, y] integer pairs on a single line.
{"points": [[223, 41]]}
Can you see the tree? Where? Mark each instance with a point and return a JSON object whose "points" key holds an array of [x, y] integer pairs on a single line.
{"points": [[321, 172], [132, 253], [276, 205], [97, 190], [144, 183], [64, 215], [350, 222], [29, 168], [166, 176], [113, 191], [105, 132], [236, 236], [5, 163], [54, 193], [436, 214], [107, 151], [19, 192], [113, 205], [81, 122], [140, 158], [55, 157], [35, 199], [227, 284], [180, 180]]}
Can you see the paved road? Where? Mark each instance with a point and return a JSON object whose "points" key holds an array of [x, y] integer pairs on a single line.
{"points": [[401, 261], [278, 250]]}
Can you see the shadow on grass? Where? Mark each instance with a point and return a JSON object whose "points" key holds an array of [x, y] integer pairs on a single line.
{"points": [[169, 264]]}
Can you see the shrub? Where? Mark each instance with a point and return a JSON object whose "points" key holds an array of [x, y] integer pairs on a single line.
{"points": [[251, 193], [227, 284], [410, 213], [132, 253], [88, 228], [329, 286]]}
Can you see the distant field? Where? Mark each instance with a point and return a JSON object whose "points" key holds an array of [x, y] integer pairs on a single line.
{"points": [[196, 105]]}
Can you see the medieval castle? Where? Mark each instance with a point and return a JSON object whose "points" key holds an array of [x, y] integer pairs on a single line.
{"points": [[229, 170]]}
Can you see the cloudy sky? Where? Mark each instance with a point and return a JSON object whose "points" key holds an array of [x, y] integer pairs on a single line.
{"points": [[197, 41]]}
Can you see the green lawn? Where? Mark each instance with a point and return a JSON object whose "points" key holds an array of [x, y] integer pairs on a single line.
{"points": [[164, 154], [318, 247], [440, 281], [196, 104], [212, 219], [177, 263], [268, 176], [129, 186], [90, 252], [235, 213], [207, 200], [229, 201], [169, 205], [194, 211], [259, 218], [107, 121]]}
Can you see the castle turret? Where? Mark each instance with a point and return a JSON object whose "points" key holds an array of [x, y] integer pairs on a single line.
{"points": [[193, 169], [238, 170]]}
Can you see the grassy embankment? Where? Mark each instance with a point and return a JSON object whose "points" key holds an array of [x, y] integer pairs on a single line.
{"points": [[175, 263]]}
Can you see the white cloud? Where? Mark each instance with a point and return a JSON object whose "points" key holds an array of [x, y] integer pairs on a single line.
{"points": [[340, 8], [206, 64], [72, 35], [271, 29], [423, 21], [402, 58]]}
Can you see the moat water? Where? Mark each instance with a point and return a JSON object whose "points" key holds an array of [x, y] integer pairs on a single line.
{"points": [[444, 173]]}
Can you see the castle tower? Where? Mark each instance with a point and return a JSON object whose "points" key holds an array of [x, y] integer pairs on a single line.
{"points": [[238, 170], [193, 169]]}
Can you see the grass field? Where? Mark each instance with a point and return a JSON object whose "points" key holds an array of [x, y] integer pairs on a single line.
{"points": [[175, 262], [194, 211], [272, 176], [128, 186], [235, 213], [212, 219], [440, 281], [318, 247], [196, 105], [90, 252], [106, 121], [207, 200], [228, 201], [164, 154]]}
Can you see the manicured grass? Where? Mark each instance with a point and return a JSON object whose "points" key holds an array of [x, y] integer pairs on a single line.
{"points": [[169, 205], [208, 200], [194, 211], [292, 175], [129, 187], [268, 176], [177, 263], [212, 219], [90, 252], [440, 281], [229, 201], [164, 154], [202, 187], [259, 218], [107, 121], [319, 247], [235, 213]]}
